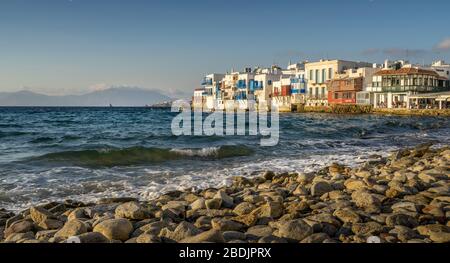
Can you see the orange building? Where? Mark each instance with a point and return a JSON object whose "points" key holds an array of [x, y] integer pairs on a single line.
{"points": [[343, 90]]}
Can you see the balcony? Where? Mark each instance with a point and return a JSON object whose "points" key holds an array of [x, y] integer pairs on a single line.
{"points": [[255, 85], [241, 84], [206, 82], [412, 88], [298, 91], [242, 96]]}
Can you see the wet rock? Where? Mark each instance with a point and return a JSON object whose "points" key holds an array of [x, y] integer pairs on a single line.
{"points": [[366, 229], [233, 235], [198, 204], [248, 219], [367, 201], [404, 233], [214, 203], [347, 216], [315, 238], [244, 208], [93, 237], [426, 230], [147, 238], [259, 231], [271, 239], [354, 185], [440, 237], [49, 224], [203, 222], [73, 227], [77, 213], [227, 201], [320, 188], [294, 229], [45, 234], [269, 209], [116, 200], [115, 229], [305, 178], [402, 220], [226, 225], [207, 236], [16, 237], [182, 231], [21, 226], [39, 215], [268, 175], [131, 210]]}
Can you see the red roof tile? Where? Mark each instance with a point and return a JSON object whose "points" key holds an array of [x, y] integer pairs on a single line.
{"points": [[406, 71]]}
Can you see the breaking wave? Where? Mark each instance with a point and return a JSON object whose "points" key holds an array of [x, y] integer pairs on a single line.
{"points": [[142, 155]]}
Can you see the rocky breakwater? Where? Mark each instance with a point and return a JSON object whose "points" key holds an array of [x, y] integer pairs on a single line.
{"points": [[402, 198]]}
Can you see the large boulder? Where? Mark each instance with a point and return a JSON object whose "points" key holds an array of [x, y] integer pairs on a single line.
{"points": [[21, 226], [131, 210], [182, 231], [227, 201], [295, 229], [367, 201], [115, 229], [72, 227], [321, 187], [269, 209]]}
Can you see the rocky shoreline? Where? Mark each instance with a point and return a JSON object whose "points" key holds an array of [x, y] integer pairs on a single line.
{"points": [[402, 198]]}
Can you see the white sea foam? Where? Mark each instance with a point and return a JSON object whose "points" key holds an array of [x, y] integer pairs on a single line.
{"points": [[146, 183]]}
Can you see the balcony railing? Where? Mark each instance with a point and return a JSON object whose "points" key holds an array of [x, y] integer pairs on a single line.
{"points": [[298, 91], [241, 84], [255, 85], [412, 88], [206, 82]]}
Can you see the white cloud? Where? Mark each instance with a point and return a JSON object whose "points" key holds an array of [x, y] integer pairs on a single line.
{"points": [[444, 45], [99, 87]]}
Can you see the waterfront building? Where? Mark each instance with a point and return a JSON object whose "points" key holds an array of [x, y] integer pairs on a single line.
{"points": [[228, 89], [243, 94], [198, 100], [212, 93], [262, 86], [392, 87], [350, 86], [441, 68], [290, 89], [319, 73]]}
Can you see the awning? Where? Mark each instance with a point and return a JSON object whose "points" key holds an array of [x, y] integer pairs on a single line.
{"points": [[436, 96]]}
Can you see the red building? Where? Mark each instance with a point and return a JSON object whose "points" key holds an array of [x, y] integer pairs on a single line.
{"points": [[343, 90]]}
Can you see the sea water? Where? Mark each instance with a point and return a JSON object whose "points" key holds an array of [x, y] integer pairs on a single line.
{"points": [[88, 153]]}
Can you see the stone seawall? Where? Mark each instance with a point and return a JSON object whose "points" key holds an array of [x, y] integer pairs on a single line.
{"points": [[364, 109], [421, 112], [402, 198]]}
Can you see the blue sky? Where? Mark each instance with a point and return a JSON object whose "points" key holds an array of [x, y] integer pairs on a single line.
{"points": [[75, 46]]}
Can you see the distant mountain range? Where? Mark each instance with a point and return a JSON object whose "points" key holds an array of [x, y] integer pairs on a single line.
{"points": [[117, 96]]}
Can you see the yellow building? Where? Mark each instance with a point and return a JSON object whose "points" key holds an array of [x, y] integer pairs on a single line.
{"points": [[320, 72]]}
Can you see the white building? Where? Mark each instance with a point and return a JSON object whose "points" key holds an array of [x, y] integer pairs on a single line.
{"points": [[212, 93], [320, 72]]}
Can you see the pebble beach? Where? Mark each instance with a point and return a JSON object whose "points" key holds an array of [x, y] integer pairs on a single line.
{"points": [[404, 198]]}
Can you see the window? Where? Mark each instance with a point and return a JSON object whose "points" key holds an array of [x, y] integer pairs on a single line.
{"points": [[311, 75], [317, 75], [310, 91], [323, 91], [269, 82], [336, 95]]}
